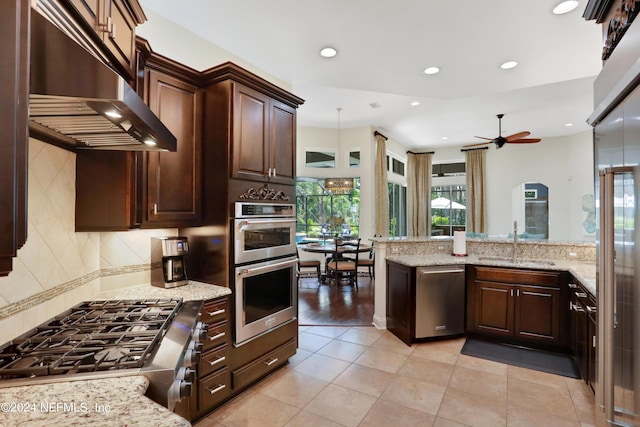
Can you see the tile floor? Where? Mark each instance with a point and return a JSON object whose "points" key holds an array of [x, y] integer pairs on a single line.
{"points": [[361, 376]]}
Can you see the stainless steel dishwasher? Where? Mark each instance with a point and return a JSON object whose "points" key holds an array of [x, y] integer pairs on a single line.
{"points": [[440, 293]]}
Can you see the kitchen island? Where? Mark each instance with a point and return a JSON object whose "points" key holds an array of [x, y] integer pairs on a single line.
{"points": [[117, 400], [577, 258]]}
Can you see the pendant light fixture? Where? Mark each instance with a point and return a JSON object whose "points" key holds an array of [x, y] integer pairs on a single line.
{"points": [[338, 185]]}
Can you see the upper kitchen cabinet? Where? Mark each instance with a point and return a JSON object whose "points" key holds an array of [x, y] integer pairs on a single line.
{"points": [[111, 25], [259, 119], [173, 180], [14, 80], [123, 190]]}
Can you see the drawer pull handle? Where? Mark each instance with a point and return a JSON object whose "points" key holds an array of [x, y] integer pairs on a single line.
{"points": [[270, 362], [215, 337], [217, 389], [217, 312], [218, 360]]}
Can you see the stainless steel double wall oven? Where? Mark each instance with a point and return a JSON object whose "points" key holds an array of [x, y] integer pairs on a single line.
{"points": [[264, 263]]}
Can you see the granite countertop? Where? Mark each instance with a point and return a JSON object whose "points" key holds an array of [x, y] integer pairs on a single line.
{"points": [[585, 272], [118, 401], [100, 402], [190, 292]]}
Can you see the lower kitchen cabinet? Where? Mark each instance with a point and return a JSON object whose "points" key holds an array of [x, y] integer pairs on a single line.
{"points": [[400, 294], [582, 309], [525, 306]]}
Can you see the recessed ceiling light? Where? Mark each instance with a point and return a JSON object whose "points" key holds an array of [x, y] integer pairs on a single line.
{"points": [[509, 65], [445, 137], [415, 103], [568, 124], [328, 52], [431, 70], [565, 7]]}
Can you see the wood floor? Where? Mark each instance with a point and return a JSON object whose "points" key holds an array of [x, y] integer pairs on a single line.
{"points": [[331, 305]]}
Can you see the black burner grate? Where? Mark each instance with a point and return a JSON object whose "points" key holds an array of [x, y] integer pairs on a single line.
{"points": [[92, 336]]}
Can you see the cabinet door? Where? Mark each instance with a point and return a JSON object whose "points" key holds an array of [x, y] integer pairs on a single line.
{"points": [[88, 9], [494, 308], [173, 179], [118, 34], [537, 314], [400, 294], [250, 134], [14, 80], [282, 150]]}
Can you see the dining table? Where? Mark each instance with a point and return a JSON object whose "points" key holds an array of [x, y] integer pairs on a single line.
{"points": [[331, 252]]}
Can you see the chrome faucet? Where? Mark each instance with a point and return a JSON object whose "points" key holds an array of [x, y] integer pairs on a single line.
{"points": [[515, 240]]}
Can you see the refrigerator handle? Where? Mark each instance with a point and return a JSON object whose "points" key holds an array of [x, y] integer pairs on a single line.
{"points": [[605, 294]]}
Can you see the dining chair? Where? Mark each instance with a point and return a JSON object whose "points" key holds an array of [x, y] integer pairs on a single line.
{"points": [[369, 262], [307, 263], [340, 266]]}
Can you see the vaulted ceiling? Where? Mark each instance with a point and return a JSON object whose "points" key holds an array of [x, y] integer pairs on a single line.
{"points": [[384, 46]]}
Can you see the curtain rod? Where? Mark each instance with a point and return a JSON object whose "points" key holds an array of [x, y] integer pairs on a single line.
{"points": [[376, 133], [424, 152], [472, 149]]}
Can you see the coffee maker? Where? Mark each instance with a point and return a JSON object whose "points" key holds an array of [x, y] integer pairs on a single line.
{"points": [[171, 253]]}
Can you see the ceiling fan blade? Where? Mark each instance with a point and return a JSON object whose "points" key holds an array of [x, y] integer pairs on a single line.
{"points": [[477, 145], [517, 136], [482, 137], [524, 141]]}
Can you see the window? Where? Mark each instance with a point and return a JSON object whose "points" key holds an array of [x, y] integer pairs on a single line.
{"points": [[320, 159], [397, 167], [397, 210], [354, 159], [323, 215], [448, 209]]}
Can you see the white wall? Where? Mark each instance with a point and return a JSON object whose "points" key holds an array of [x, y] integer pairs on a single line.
{"points": [[564, 164]]}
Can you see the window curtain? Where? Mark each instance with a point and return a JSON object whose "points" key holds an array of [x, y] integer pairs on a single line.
{"points": [[419, 194], [476, 190], [382, 188]]}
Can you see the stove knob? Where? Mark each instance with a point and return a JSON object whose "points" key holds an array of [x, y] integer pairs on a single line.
{"points": [[185, 389], [180, 389], [193, 354], [200, 331]]}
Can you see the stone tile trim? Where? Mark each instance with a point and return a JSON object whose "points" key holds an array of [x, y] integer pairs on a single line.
{"points": [[39, 298]]}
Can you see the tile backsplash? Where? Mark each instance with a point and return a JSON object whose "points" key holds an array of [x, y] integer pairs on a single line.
{"points": [[57, 267]]}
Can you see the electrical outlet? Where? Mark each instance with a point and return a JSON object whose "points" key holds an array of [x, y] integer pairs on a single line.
{"points": [[394, 249], [441, 248]]}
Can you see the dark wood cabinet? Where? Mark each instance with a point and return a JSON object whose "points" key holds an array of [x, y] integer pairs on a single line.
{"points": [[124, 190], [14, 80], [173, 180], [400, 301], [255, 121], [582, 309], [264, 140], [111, 24], [519, 305]]}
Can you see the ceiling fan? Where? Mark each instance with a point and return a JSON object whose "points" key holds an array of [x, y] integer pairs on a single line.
{"points": [[516, 138]]}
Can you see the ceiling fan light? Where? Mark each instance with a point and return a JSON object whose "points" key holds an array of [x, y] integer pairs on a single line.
{"points": [[565, 7], [509, 65]]}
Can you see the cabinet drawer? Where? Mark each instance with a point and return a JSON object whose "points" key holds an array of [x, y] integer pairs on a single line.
{"points": [[515, 276], [214, 389], [217, 334], [215, 311], [213, 360], [263, 365]]}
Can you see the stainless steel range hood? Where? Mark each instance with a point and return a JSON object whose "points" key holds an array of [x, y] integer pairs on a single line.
{"points": [[77, 99]]}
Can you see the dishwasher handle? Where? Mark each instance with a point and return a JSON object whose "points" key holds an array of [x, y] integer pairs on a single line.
{"points": [[443, 271]]}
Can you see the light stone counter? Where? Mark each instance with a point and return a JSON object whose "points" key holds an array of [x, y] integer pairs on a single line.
{"points": [[105, 402], [190, 292], [585, 272]]}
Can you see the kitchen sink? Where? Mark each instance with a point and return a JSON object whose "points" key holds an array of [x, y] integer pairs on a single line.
{"points": [[518, 261]]}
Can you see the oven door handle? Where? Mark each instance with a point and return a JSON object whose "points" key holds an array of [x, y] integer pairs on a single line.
{"points": [[270, 267], [246, 224]]}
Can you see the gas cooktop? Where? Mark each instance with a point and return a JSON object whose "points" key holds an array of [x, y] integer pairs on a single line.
{"points": [[92, 336]]}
